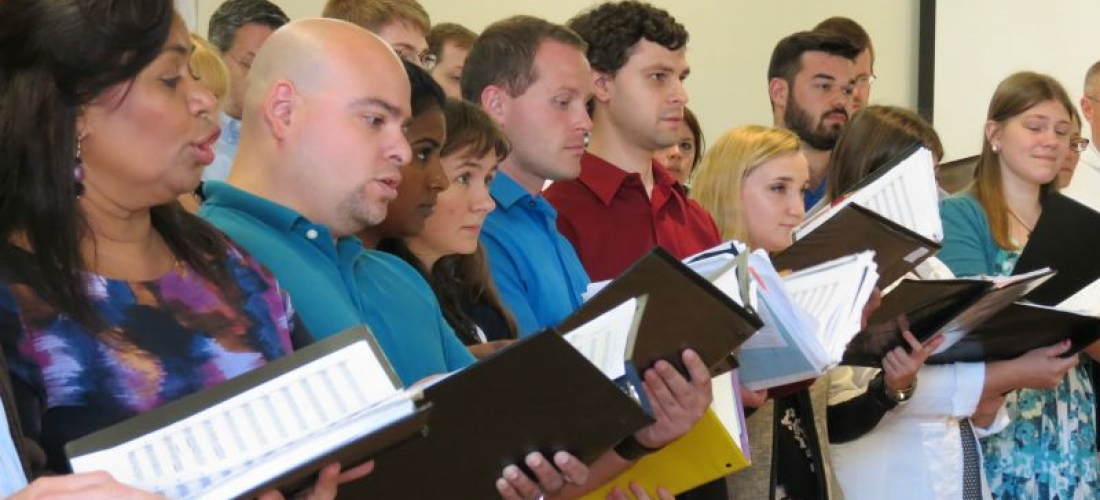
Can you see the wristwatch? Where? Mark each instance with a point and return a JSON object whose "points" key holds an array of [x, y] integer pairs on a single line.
{"points": [[902, 395]]}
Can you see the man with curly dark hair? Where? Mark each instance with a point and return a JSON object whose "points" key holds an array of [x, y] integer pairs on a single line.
{"points": [[624, 203]]}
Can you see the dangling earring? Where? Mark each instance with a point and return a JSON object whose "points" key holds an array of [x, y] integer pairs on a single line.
{"points": [[78, 172]]}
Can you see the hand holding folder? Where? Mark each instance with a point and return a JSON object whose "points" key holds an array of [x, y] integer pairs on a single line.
{"points": [[714, 448], [1020, 328], [538, 395], [926, 307]]}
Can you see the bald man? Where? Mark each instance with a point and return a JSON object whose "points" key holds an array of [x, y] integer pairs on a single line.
{"points": [[322, 142]]}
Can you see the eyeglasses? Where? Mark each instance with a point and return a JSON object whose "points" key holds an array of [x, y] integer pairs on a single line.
{"points": [[1078, 144], [864, 81], [426, 59]]}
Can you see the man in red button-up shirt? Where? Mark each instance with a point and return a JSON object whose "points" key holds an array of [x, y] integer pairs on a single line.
{"points": [[624, 203]]}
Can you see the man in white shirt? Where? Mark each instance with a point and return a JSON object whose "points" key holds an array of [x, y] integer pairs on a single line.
{"points": [[1085, 186]]}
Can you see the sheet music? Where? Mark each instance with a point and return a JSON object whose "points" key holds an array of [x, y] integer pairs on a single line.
{"points": [[834, 293], [12, 476], [991, 303], [1085, 301], [716, 265], [220, 451], [604, 339], [906, 194], [810, 316]]}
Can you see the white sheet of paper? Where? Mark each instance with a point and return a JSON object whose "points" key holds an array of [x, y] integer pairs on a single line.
{"points": [[603, 340]]}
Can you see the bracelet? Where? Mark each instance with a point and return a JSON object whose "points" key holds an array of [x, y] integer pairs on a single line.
{"points": [[632, 450]]}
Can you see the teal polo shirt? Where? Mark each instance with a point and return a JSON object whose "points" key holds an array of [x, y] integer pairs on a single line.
{"points": [[336, 284]]}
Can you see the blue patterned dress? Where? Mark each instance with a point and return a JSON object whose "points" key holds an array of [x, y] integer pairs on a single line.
{"points": [[1048, 450], [160, 340]]}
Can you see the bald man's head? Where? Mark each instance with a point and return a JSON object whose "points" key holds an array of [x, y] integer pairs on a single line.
{"points": [[324, 116], [308, 52]]}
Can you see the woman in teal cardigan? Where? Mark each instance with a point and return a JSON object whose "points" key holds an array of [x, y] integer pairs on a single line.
{"points": [[1049, 449]]}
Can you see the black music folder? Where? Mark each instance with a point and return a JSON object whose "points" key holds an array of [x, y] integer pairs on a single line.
{"points": [[926, 307], [1018, 329], [854, 229], [273, 427], [1065, 238], [683, 310], [539, 394]]}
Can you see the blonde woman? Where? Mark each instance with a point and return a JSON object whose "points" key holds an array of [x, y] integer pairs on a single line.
{"points": [[209, 68], [751, 180]]}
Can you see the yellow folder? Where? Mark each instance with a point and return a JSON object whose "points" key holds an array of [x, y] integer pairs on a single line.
{"points": [[707, 452]]}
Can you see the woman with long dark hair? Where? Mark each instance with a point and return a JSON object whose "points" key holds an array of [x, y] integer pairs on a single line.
{"points": [[113, 299], [446, 250], [934, 434]]}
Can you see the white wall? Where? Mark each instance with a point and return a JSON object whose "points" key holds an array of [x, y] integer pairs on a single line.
{"points": [[731, 43], [986, 40]]}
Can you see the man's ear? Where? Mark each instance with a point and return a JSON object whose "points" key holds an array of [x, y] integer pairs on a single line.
{"points": [[278, 107], [601, 86], [778, 92], [495, 100], [1086, 109]]}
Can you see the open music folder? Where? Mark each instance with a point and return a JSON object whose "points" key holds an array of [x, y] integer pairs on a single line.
{"points": [[893, 212], [1019, 328], [276, 426], [683, 310], [538, 394], [903, 191], [1064, 239], [927, 307], [852, 229], [810, 316]]}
